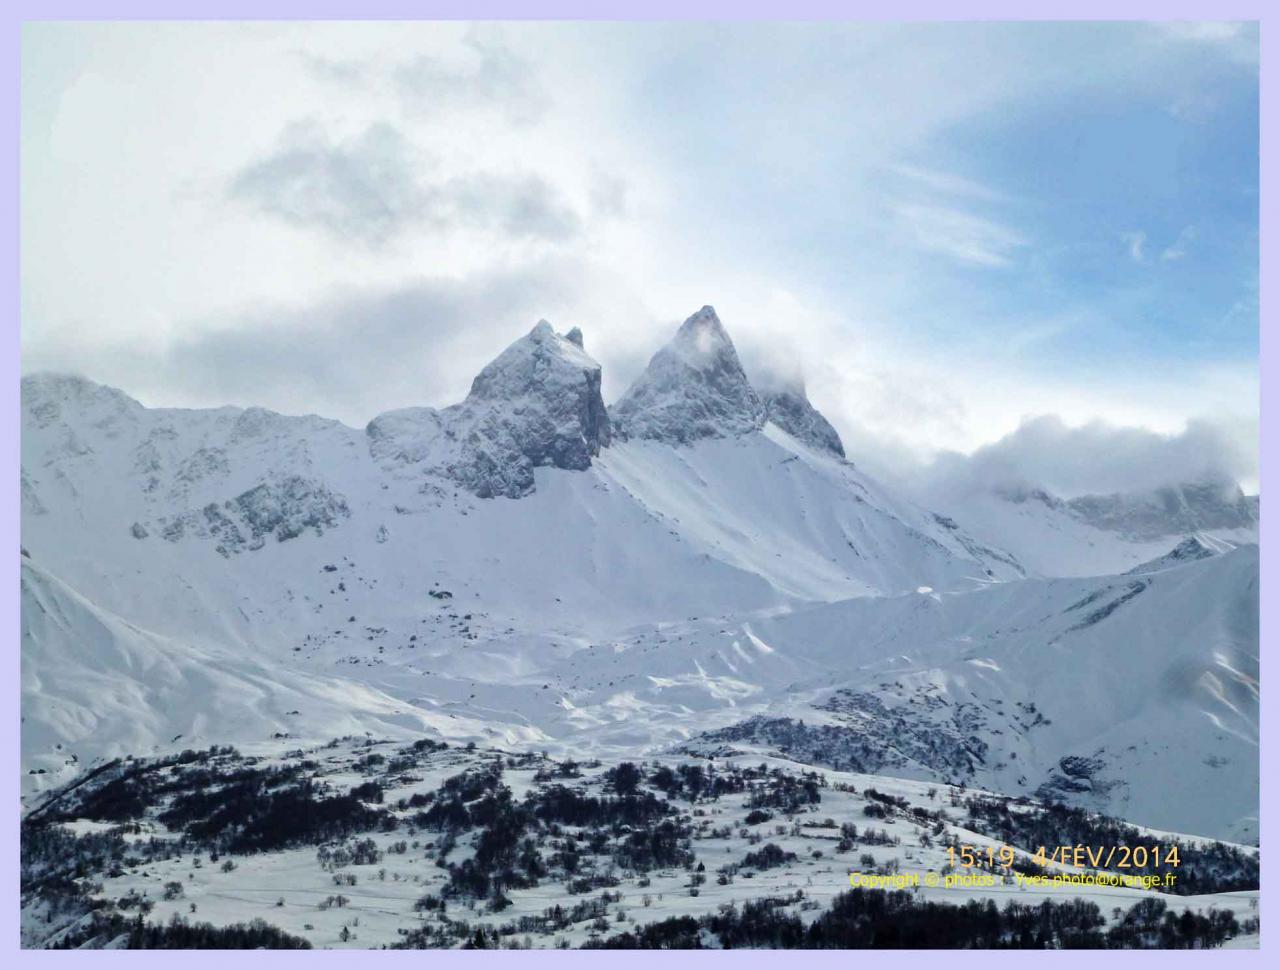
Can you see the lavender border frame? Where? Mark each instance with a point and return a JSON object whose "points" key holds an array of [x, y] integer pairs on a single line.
{"points": [[690, 10]]}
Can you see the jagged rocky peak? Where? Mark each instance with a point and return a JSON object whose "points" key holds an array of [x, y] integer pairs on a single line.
{"points": [[787, 405], [542, 363], [693, 388], [550, 381], [536, 404]]}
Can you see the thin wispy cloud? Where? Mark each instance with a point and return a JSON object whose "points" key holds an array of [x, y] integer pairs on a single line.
{"points": [[333, 70], [1136, 241], [489, 74], [1178, 249], [1236, 39], [478, 73], [960, 218], [949, 184], [959, 235]]}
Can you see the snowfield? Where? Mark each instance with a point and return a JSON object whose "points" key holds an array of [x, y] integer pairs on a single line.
{"points": [[694, 573]]}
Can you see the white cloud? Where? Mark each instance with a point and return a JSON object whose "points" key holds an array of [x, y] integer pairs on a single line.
{"points": [[1136, 241], [949, 183], [1178, 249], [488, 75], [1101, 458], [961, 236]]}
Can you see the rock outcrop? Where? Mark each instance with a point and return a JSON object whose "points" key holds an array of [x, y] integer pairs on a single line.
{"points": [[789, 408]]}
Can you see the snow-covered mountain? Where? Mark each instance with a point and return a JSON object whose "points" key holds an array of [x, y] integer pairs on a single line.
{"points": [[690, 566], [640, 530], [1203, 506], [1092, 535]]}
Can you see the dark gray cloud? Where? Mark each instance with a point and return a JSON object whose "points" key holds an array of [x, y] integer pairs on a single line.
{"points": [[1100, 458], [363, 188], [369, 189]]}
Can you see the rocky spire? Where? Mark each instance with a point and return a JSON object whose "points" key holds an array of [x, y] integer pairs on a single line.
{"points": [[693, 388]]}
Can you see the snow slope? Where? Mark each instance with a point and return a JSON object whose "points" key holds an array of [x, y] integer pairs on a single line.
{"points": [[525, 567], [87, 674]]}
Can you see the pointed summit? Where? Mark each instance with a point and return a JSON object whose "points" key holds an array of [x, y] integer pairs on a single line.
{"points": [[693, 388], [702, 336], [536, 404]]}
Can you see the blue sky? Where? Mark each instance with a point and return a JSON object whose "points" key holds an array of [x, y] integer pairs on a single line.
{"points": [[948, 230], [1123, 207]]}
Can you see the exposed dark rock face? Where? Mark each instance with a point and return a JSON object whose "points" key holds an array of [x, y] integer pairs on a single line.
{"points": [[872, 738], [1114, 603], [285, 508], [790, 410], [288, 507], [1077, 779], [693, 388]]}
